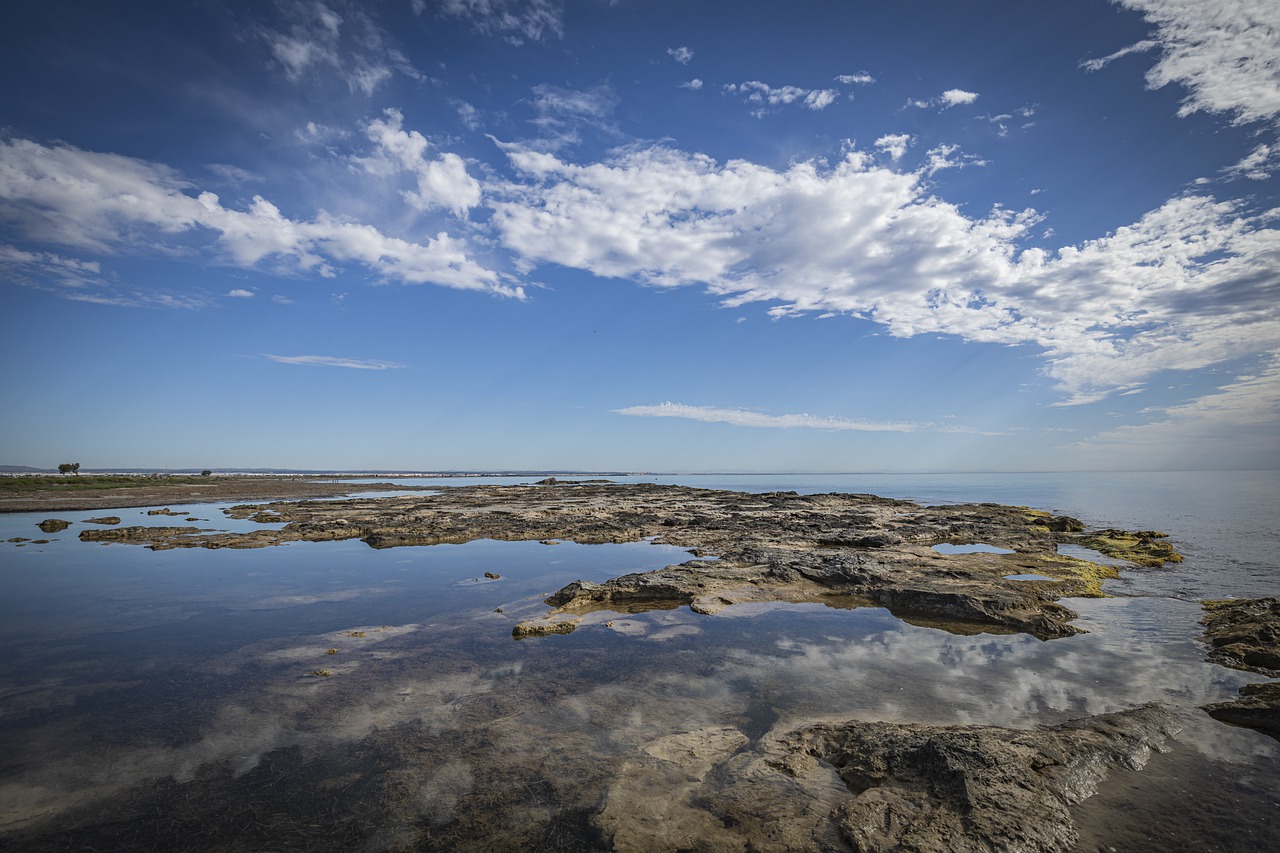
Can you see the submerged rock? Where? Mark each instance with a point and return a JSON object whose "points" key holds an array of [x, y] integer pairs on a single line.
{"points": [[973, 788], [106, 519]]}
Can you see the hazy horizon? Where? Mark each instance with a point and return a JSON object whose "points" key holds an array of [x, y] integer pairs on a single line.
{"points": [[588, 235]]}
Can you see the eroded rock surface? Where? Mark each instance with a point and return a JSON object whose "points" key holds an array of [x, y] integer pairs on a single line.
{"points": [[1258, 708], [778, 546], [973, 788], [1244, 634], [53, 525]]}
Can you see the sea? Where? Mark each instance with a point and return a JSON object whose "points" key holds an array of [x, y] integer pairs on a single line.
{"points": [[330, 696]]}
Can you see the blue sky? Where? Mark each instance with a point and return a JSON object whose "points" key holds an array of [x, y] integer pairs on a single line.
{"points": [[669, 236]]}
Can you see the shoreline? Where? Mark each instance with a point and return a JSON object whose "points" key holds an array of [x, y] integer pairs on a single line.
{"points": [[220, 489]]}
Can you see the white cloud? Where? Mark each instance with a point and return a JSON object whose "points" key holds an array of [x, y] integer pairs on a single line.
{"points": [[693, 85], [741, 417], [1226, 54], [1228, 428], [563, 113], [348, 43], [683, 55], [441, 183], [108, 203], [955, 97], [894, 144], [281, 300], [240, 293], [332, 361], [1193, 283], [516, 20], [1103, 62], [1257, 165], [68, 272], [764, 95], [947, 100], [862, 78]]}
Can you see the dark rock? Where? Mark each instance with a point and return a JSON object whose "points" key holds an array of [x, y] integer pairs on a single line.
{"points": [[1257, 708], [106, 519], [53, 525], [974, 788], [1065, 524], [1244, 634]]}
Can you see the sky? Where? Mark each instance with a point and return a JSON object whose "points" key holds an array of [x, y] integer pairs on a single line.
{"points": [[641, 235]]}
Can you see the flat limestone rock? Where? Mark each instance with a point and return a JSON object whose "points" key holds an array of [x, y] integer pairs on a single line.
{"points": [[1257, 708], [770, 547], [940, 789], [1244, 634]]}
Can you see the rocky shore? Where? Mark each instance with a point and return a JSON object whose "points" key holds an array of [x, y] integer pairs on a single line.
{"points": [[1245, 634], [804, 783], [163, 490], [751, 547]]}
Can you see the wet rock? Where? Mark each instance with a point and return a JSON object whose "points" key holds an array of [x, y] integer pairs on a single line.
{"points": [[1244, 634], [157, 538], [972, 788], [53, 525], [778, 546], [106, 519], [1257, 708]]}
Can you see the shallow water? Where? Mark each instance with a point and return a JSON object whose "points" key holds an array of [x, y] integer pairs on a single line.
{"points": [[162, 699]]}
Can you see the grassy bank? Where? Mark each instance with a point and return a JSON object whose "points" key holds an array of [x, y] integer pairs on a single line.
{"points": [[86, 482]]}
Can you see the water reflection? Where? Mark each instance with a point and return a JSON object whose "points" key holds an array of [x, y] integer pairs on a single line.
{"points": [[172, 691]]}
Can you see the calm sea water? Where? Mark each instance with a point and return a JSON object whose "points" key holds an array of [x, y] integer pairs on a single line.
{"points": [[162, 700]]}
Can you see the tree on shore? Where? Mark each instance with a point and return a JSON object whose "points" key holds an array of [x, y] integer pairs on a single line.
{"points": [[69, 468]]}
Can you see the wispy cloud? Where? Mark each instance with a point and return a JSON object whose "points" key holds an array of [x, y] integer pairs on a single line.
{"points": [[1102, 62], [515, 21], [765, 96], [693, 85], [336, 36], [862, 78], [332, 361], [742, 417], [1227, 55], [1228, 427]]}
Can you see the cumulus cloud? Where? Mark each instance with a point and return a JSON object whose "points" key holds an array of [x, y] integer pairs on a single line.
{"points": [[442, 182], [683, 55], [742, 417], [108, 203], [766, 96], [947, 100], [1226, 54], [332, 361], [1193, 283], [240, 293], [894, 144], [693, 85], [516, 21]]}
